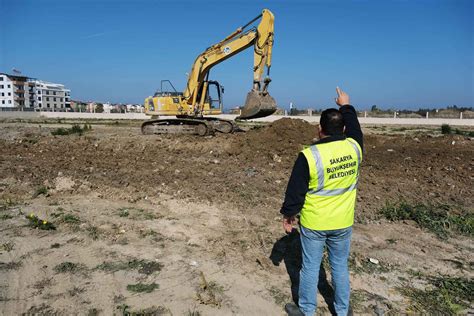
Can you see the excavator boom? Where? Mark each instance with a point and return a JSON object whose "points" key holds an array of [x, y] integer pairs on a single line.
{"points": [[258, 103]]}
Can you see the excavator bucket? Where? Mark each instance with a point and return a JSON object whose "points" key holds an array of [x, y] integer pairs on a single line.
{"points": [[258, 104]]}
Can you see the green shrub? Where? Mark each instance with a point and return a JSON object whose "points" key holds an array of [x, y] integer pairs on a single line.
{"points": [[41, 190], [69, 267], [446, 296], [446, 129], [439, 219], [75, 129], [70, 218], [60, 131], [141, 287], [464, 133], [35, 222], [142, 266]]}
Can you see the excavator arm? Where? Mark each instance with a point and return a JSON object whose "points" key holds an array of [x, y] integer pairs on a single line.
{"points": [[259, 103]]}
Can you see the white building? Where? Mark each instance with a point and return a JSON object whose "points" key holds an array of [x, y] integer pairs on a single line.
{"points": [[14, 91], [51, 96], [23, 92], [108, 107]]}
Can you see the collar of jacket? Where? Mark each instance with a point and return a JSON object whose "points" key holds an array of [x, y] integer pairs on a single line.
{"points": [[329, 139]]}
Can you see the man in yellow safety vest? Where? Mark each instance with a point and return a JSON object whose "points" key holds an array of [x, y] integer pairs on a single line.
{"points": [[322, 188]]}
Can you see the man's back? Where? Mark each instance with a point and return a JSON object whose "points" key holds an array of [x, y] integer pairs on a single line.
{"points": [[334, 170], [323, 187]]}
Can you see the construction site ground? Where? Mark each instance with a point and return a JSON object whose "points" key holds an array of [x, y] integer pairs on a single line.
{"points": [[185, 225]]}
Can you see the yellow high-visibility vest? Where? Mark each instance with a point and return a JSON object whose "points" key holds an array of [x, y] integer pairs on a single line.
{"points": [[333, 175]]}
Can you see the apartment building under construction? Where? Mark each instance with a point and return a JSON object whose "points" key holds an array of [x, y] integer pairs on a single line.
{"points": [[20, 92]]}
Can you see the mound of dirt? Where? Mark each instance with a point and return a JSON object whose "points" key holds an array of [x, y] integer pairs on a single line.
{"points": [[247, 170], [282, 138]]}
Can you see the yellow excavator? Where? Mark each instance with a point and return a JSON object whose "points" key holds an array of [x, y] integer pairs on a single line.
{"points": [[191, 106]]}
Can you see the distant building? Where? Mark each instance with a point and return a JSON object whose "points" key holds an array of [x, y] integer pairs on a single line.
{"points": [[91, 106], [27, 93], [50, 95], [14, 91]]}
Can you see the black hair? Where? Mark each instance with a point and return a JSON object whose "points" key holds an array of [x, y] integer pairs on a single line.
{"points": [[332, 122]]}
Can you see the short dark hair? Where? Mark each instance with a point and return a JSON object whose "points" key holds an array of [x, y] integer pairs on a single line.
{"points": [[332, 122]]}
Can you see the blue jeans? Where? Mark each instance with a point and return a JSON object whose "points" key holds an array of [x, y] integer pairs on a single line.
{"points": [[338, 243]]}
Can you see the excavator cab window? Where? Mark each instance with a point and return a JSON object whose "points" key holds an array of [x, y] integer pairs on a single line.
{"points": [[214, 94], [168, 90]]}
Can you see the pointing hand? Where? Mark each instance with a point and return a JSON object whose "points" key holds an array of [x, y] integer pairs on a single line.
{"points": [[342, 97]]}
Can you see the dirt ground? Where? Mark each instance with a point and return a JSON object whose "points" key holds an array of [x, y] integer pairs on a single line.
{"points": [[183, 225]]}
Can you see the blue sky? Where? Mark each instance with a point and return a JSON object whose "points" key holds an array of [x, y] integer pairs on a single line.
{"points": [[396, 54]]}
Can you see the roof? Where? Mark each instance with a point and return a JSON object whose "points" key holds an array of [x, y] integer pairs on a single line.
{"points": [[16, 77]]}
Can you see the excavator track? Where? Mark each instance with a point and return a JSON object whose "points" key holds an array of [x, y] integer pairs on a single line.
{"points": [[191, 126], [222, 126]]}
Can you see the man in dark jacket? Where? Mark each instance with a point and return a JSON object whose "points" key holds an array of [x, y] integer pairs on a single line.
{"points": [[322, 188]]}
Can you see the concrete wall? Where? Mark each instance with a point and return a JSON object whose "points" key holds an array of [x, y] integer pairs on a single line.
{"points": [[19, 115], [104, 116], [312, 119], [371, 120]]}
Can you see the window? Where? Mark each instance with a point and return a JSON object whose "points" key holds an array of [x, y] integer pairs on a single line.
{"points": [[54, 99], [39, 91], [47, 105], [1, 78], [39, 98], [9, 101], [47, 98], [61, 99], [1, 86], [3, 94], [9, 86], [54, 92], [9, 93], [3, 101]]}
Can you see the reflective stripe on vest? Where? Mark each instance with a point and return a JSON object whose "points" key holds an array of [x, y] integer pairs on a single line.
{"points": [[320, 170]]}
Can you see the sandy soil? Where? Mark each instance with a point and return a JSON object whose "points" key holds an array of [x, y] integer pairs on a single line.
{"points": [[199, 217]]}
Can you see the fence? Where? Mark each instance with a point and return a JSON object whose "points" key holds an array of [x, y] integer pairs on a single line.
{"points": [[394, 120]]}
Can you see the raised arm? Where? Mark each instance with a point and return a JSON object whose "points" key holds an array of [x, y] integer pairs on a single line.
{"points": [[351, 122]]}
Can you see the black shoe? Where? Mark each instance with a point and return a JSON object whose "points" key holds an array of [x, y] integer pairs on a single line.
{"points": [[293, 310]]}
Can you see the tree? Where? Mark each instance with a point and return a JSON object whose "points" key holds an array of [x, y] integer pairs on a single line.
{"points": [[99, 108], [374, 108]]}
